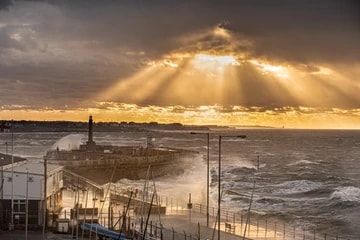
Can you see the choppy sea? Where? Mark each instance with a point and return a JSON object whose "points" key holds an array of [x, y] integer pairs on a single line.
{"points": [[301, 176]]}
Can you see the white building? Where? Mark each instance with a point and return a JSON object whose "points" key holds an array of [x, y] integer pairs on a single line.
{"points": [[23, 184]]}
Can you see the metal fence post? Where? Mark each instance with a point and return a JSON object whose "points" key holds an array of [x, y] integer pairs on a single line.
{"points": [[265, 228], [151, 227], [284, 232], [304, 232], [294, 231], [249, 226], [241, 222]]}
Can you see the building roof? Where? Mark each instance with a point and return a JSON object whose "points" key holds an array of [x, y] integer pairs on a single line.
{"points": [[33, 167], [6, 159]]}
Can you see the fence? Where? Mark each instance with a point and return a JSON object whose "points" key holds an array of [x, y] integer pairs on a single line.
{"points": [[253, 226], [155, 230], [235, 224]]}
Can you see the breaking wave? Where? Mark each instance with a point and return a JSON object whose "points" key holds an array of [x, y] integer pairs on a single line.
{"points": [[298, 186], [347, 194], [69, 142], [301, 162]]}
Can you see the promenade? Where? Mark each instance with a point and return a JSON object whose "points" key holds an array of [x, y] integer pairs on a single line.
{"points": [[32, 235], [175, 227], [194, 226]]}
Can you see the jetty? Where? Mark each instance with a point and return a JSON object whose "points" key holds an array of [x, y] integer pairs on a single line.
{"points": [[104, 163]]}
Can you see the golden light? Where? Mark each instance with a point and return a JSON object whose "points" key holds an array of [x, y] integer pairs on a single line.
{"points": [[176, 79], [192, 88], [279, 71], [141, 85], [218, 31], [219, 61]]}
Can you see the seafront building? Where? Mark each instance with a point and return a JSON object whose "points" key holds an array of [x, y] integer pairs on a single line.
{"points": [[22, 191], [22, 187]]}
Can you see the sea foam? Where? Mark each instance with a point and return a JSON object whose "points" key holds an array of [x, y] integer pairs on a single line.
{"points": [[350, 193], [69, 142], [297, 186]]}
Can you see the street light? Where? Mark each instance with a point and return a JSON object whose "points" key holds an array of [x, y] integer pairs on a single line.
{"points": [[207, 174], [219, 183]]}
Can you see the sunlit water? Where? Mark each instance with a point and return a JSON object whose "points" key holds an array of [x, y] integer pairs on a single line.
{"points": [[305, 176]]}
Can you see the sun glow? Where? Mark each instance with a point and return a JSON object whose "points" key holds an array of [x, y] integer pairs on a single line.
{"points": [[198, 88], [218, 31], [201, 59], [279, 71], [177, 79]]}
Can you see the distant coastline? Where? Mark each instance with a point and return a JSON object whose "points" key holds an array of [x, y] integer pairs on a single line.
{"points": [[69, 126]]}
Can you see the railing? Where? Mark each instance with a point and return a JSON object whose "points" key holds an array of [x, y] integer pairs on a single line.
{"points": [[257, 227], [156, 230], [238, 223]]}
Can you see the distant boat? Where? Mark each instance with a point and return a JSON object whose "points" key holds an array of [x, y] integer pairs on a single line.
{"points": [[104, 163]]}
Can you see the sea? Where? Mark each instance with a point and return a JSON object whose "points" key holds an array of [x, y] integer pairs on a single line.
{"points": [[309, 177]]}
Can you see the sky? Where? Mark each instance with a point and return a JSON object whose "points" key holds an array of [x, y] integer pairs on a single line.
{"points": [[292, 64]]}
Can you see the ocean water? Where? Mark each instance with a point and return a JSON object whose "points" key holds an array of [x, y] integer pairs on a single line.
{"points": [[309, 177]]}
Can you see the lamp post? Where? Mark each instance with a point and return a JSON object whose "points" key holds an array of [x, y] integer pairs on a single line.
{"points": [[44, 200], [219, 183], [207, 174]]}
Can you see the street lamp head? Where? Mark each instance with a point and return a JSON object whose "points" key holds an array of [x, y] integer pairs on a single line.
{"points": [[241, 136], [204, 133], [232, 136]]}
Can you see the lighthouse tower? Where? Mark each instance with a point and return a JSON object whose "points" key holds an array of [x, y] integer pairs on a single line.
{"points": [[90, 141]]}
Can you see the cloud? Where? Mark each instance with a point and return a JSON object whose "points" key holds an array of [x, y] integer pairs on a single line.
{"points": [[5, 4], [64, 53]]}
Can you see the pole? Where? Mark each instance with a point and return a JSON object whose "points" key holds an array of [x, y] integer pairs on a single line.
{"points": [[12, 177], [86, 200], [2, 172], [77, 210], [92, 214], [219, 187], [27, 206], [44, 200], [208, 179]]}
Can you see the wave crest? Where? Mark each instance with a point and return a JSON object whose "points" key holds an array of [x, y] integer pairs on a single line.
{"points": [[298, 186], [69, 142], [347, 194]]}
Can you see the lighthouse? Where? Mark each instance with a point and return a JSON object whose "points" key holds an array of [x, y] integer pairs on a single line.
{"points": [[90, 141]]}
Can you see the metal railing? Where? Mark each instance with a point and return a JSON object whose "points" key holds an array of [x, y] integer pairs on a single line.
{"points": [[257, 226]]}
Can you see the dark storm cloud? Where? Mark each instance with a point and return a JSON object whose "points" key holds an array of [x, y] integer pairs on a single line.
{"points": [[301, 31], [5, 4], [65, 51]]}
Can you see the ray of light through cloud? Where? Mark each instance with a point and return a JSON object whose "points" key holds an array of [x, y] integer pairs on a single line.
{"points": [[194, 68]]}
